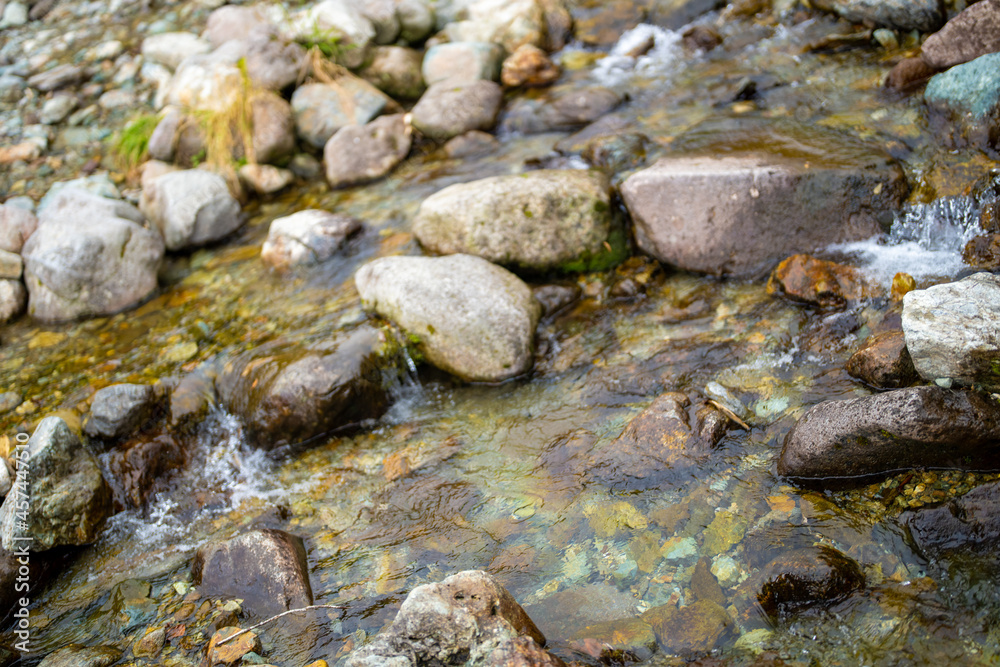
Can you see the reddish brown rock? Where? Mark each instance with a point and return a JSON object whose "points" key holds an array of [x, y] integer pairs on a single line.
{"points": [[983, 252], [695, 628], [808, 576], [908, 74], [223, 652], [883, 362], [818, 282], [972, 33], [528, 66], [136, 466], [701, 37], [522, 652]]}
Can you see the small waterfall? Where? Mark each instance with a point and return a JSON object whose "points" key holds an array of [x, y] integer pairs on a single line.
{"points": [[665, 49]]}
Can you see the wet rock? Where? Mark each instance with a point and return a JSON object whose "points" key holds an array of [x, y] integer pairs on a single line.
{"points": [[807, 576], [11, 265], [447, 110], [337, 21], [817, 282], [953, 331], [120, 410], [970, 523], [883, 362], [69, 498], [395, 70], [616, 152], [906, 428], [13, 299], [267, 569], [739, 214], [908, 74], [554, 298], [223, 652], [210, 81], [273, 133], [471, 144], [191, 208], [58, 77], [626, 634], [138, 465], [529, 66], [16, 225], [462, 62], [922, 15], [974, 32], [306, 237], [701, 38], [57, 108], [363, 153], [14, 14], [89, 256], [964, 102], [149, 644], [564, 110], [538, 221], [674, 14], [129, 605], [671, 433], [235, 22], [471, 318], [80, 656], [190, 400], [26, 151], [696, 628], [265, 179], [983, 252], [522, 652], [902, 284], [465, 617], [9, 400], [321, 109], [288, 394], [170, 48]]}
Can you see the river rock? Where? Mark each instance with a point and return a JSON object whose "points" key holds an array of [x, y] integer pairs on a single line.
{"points": [[968, 523], [818, 282], [563, 110], [119, 410], [953, 330], [362, 153], [11, 265], [287, 394], [909, 73], [69, 497], [236, 22], [522, 652], [470, 317], [464, 618], [883, 362], [306, 237], [509, 23], [271, 63], [382, 15], [273, 133], [89, 256], [170, 48], [13, 299], [983, 252], [906, 428], [395, 70], [529, 66], [265, 179], [321, 109], [266, 568], [56, 108], [805, 577], [974, 32], [538, 221], [163, 141], [16, 225], [339, 22], [447, 110], [137, 465], [209, 81], [191, 208], [231, 652], [461, 62], [416, 20], [694, 628], [964, 102], [922, 15], [6, 479], [76, 655], [473, 143], [58, 77], [741, 213]]}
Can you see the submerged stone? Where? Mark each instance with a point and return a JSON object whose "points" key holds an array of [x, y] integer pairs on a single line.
{"points": [[695, 628], [970, 523], [805, 577], [76, 655], [818, 282]]}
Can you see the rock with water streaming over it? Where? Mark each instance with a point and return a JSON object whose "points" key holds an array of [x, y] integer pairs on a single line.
{"points": [[536, 221], [953, 331], [883, 362], [468, 317], [306, 237], [137, 465], [76, 655], [265, 568], [69, 497], [780, 189], [974, 32], [805, 577], [287, 393], [466, 617], [922, 15], [119, 410], [191, 208], [964, 103], [694, 628], [89, 256], [907, 428], [362, 153], [970, 523], [448, 109]]}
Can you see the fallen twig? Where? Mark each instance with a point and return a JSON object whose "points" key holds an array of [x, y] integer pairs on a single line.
{"points": [[273, 618]]}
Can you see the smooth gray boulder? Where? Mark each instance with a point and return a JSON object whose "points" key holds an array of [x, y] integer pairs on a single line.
{"points": [[460, 62], [922, 15], [16, 225], [306, 237], [836, 441], [191, 208], [953, 331], [89, 256], [780, 189], [471, 318], [272, 63], [69, 498], [972, 33], [120, 409], [323, 108], [362, 153], [538, 220], [964, 103], [447, 110]]}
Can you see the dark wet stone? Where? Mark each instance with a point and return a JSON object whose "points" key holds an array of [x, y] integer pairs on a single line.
{"points": [[267, 569], [190, 400], [970, 523], [565, 109], [136, 467], [8, 657], [805, 279], [906, 428], [555, 297], [129, 605], [610, 125], [674, 14], [287, 394], [701, 37], [704, 585], [447, 110], [445, 623], [617, 152], [120, 410], [807, 576], [908, 74], [972, 33], [75, 655], [41, 567], [522, 652], [983, 252], [696, 628], [883, 362]]}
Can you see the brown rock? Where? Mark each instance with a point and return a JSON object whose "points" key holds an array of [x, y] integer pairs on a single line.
{"points": [[471, 144], [972, 33], [149, 644], [522, 652], [16, 225], [983, 252], [630, 634], [908, 74], [362, 153], [230, 652], [704, 585], [989, 220], [528, 66], [883, 362], [22, 152], [969, 523], [815, 281], [136, 466], [807, 576], [273, 133], [695, 628], [902, 283], [701, 37]]}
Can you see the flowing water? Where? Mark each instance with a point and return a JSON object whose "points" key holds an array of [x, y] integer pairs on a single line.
{"points": [[490, 477]]}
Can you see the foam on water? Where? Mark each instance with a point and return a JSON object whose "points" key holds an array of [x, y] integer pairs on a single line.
{"points": [[619, 67]]}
